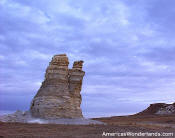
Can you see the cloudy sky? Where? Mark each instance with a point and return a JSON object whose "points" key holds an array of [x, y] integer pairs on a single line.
{"points": [[128, 47]]}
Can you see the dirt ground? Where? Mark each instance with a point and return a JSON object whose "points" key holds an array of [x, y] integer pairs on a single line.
{"points": [[114, 125]]}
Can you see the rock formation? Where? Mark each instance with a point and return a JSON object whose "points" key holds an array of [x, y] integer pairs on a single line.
{"points": [[59, 95], [159, 109]]}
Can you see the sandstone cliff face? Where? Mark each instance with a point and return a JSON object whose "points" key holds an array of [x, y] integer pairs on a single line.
{"points": [[59, 95]]}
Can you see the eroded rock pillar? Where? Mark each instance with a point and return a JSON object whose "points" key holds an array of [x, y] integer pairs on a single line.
{"points": [[59, 95]]}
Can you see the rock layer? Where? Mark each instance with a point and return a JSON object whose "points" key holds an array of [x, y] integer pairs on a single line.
{"points": [[59, 95], [159, 109]]}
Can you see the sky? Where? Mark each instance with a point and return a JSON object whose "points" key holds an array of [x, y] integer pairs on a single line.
{"points": [[128, 48]]}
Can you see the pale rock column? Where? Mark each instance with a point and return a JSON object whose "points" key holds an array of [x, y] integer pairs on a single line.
{"points": [[75, 84], [59, 95]]}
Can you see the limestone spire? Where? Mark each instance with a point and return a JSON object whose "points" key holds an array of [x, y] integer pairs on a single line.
{"points": [[59, 95]]}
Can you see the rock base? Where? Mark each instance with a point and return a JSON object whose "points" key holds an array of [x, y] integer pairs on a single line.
{"points": [[25, 117]]}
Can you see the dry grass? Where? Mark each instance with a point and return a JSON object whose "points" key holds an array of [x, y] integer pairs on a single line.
{"points": [[114, 124]]}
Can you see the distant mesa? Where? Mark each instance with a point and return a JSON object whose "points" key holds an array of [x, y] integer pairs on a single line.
{"points": [[159, 109], [59, 95]]}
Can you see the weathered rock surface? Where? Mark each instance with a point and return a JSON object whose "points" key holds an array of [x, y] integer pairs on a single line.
{"points": [[25, 117], [159, 109], [18, 116], [59, 95]]}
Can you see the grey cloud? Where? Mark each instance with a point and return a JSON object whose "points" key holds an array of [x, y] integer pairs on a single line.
{"points": [[163, 17], [127, 47], [161, 55]]}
